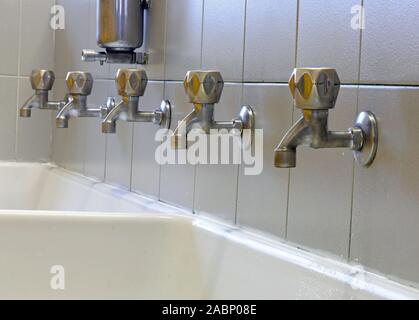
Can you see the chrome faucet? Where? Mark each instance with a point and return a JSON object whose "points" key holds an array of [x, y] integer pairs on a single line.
{"points": [[315, 91], [131, 85], [42, 82], [80, 86], [204, 89]]}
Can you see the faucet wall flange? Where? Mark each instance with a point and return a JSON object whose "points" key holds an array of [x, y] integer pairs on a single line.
{"points": [[367, 122], [165, 114]]}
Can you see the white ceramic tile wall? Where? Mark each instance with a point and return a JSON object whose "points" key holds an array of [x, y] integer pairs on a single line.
{"points": [[27, 42], [250, 41]]}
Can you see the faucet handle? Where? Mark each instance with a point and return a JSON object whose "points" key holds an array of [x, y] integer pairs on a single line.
{"points": [[314, 88], [79, 83], [131, 82], [203, 87], [42, 79]]}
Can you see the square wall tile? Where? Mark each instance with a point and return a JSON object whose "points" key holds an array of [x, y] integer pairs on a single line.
{"points": [[263, 198], [326, 37], [183, 37], [145, 168], [271, 32], [8, 93], [390, 42], [34, 133], [223, 37], [320, 199], [37, 36], [177, 180], [119, 151], [386, 195], [9, 35], [216, 184], [95, 140]]}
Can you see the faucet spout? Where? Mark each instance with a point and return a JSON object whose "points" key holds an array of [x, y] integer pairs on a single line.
{"points": [[109, 123], [286, 151], [179, 139], [65, 114], [26, 110]]}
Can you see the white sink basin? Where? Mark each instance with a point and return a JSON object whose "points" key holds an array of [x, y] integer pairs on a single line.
{"points": [[33, 186], [146, 255]]}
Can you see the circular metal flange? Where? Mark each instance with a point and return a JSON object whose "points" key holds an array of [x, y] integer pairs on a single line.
{"points": [[367, 122], [247, 117], [166, 109]]}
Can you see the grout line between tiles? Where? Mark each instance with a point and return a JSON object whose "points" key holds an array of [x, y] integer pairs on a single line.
{"points": [[242, 103], [353, 163], [19, 55], [202, 34], [396, 85], [297, 29], [200, 65]]}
